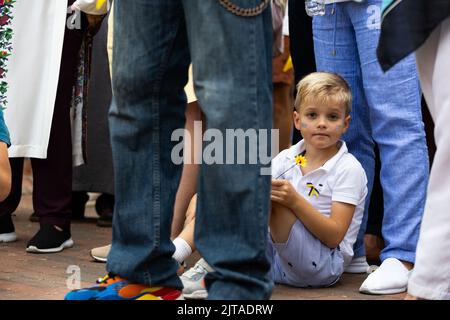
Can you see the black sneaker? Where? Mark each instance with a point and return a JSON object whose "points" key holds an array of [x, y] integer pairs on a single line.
{"points": [[49, 239], [7, 233]]}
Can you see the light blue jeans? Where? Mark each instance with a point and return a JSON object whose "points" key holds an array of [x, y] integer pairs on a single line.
{"points": [[154, 43], [386, 110]]}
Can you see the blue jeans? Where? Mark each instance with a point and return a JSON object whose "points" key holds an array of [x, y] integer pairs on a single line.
{"points": [[154, 43], [386, 111]]}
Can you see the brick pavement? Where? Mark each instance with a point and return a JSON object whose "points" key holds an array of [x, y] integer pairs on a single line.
{"points": [[41, 277]]}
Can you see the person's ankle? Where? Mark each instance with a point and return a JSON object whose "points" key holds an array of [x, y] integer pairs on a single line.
{"points": [[6, 224]]}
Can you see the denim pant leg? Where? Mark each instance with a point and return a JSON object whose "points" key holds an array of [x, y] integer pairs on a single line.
{"points": [[394, 100], [336, 51], [231, 58], [150, 69]]}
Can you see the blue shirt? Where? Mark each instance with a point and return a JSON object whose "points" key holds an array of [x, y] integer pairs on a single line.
{"points": [[4, 133]]}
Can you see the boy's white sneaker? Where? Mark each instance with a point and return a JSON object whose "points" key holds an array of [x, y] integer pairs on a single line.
{"points": [[193, 280], [357, 265], [390, 278], [8, 237]]}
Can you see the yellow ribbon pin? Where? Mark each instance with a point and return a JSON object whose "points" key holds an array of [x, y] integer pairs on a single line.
{"points": [[100, 4], [313, 190]]}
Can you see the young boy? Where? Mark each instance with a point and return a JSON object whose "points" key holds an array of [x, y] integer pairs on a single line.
{"points": [[316, 209], [318, 189]]}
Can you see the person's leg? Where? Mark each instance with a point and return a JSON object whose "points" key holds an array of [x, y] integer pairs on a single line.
{"points": [[10, 204], [150, 68], [52, 177], [232, 58], [104, 206], [373, 240], [190, 212], [282, 113], [188, 234], [281, 221], [27, 180], [299, 258], [184, 242], [189, 176], [430, 277], [397, 127], [302, 45], [336, 51], [283, 90]]}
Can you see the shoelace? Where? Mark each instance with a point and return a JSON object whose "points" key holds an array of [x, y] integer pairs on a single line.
{"points": [[197, 269], [105, 279]]}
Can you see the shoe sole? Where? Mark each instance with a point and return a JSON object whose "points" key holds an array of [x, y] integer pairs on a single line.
{"points": [[8, 237], [384, 292], [356, 269], [143, 297], [99, 259], [196, 295], [66, 244]]}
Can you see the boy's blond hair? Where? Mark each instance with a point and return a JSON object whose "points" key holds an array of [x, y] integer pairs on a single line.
{"points": [[324, 88]]}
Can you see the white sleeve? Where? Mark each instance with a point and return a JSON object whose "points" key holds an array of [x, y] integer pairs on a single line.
{"points": [[350, 185], [90, 6], [286, 22]]}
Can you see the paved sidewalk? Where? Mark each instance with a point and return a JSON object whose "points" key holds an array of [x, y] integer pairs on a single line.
{"points": [[39, 277]]}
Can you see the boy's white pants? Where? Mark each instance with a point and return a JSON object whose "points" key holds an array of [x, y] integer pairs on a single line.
{"points": [[430, 278]]}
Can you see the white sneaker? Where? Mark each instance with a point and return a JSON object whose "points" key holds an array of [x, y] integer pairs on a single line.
{"points": [[357, 265], [8, 237], [390, 278], [193, 280], [100, 254]]}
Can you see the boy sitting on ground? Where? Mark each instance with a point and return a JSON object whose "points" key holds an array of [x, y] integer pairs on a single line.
{"points": [[318, 190]]}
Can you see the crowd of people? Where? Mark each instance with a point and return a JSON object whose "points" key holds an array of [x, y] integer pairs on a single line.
{"points": [[119, 77]]}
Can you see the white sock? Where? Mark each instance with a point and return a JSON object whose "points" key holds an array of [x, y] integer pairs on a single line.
{"points": [[182, 250]]}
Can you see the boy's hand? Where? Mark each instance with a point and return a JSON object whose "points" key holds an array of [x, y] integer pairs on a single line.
{"points": [[284, 193]]}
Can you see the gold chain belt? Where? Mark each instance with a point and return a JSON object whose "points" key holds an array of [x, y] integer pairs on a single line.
{"points": [[245, 12]]}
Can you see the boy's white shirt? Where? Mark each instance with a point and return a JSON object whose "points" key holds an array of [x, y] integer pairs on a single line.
{"points": [[90, 6], [341, 179]]}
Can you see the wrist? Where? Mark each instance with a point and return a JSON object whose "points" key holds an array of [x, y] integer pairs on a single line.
{"points": [[296, 204]]}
